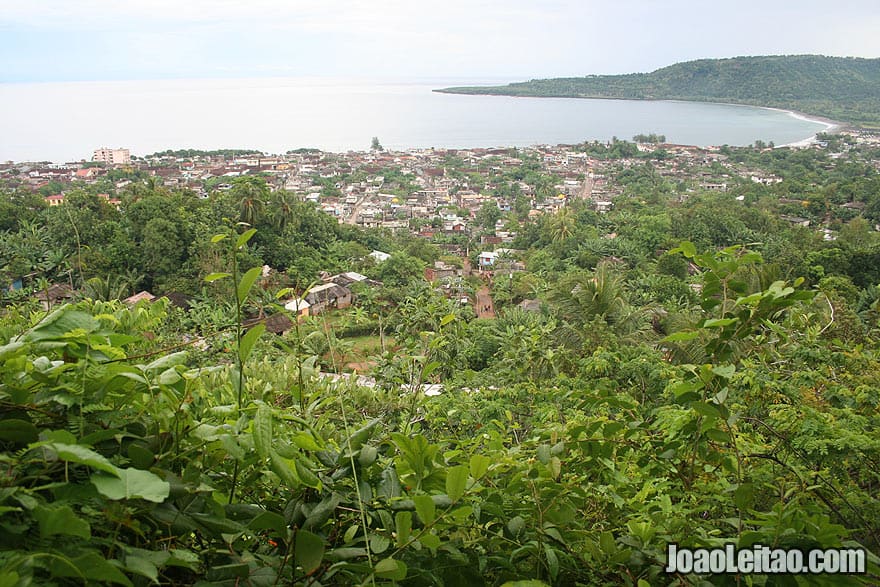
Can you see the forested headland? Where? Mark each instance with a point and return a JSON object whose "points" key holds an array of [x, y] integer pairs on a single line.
{"points": [[671, 345], [841, 88]]}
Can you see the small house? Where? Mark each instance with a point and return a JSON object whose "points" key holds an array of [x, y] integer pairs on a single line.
{"points": [[179, 300], [379, 256], [441, 270], [487, 259], [142, 295], [278, 323], [347, 278], [298, 306], [54, 295], [328, 296]]}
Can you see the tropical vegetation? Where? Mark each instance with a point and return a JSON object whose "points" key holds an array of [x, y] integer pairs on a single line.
{"points": [[689, 367], [842, 88]]}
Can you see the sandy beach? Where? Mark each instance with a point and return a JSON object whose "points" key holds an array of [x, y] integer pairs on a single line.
{"points": [[831, 126]]}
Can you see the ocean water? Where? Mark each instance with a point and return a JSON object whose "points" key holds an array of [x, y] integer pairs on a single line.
{"points": [[67, 121]]}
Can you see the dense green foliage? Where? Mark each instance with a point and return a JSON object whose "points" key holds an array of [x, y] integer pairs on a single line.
{"points": [[127, 464], [694, 368], [846, 89]]}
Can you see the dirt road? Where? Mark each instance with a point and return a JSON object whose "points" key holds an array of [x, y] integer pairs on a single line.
{"points": [[483, 304]]}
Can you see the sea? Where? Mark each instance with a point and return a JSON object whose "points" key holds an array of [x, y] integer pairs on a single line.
{"points": [[66, 121]]}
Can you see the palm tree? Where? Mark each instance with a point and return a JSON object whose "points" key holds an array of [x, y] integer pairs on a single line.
{"points": [[582, 298], [149, 186], [251, 208], [111, 287], [562, 224], [251, 194], [282, 208]]}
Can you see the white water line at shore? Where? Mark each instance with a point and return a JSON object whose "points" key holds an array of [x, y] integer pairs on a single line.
{"points": [[830, 126]]}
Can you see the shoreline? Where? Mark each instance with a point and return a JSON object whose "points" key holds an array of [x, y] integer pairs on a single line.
{"points": [[502, 138], [831, 126]]}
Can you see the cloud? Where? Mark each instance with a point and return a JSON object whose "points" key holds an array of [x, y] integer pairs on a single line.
{"points": [[52, 38], [329, 15]]}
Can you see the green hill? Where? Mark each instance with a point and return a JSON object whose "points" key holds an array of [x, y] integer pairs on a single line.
{"points": [[842, 88]]}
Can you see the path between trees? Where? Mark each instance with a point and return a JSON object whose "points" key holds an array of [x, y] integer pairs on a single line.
{"points": [[483, 305]]}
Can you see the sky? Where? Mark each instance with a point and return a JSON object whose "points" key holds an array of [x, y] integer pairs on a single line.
{"points": [[491, 40]]}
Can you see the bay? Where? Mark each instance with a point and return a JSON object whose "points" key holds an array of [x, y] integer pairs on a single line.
{"points": [[67, 121]]}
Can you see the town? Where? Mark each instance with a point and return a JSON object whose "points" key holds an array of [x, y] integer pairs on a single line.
{"points": [[438, 294], [469, 204], [426, 191]]}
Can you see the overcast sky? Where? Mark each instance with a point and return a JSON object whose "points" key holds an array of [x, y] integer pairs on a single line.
{"points": [[53, 40]]}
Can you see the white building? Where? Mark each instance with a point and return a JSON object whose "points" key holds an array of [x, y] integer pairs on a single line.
{"points": [[487, 258], [112, 156], [379, 256]]}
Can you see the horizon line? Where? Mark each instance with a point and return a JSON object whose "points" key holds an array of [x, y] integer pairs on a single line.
{"points": [[291, 75]]}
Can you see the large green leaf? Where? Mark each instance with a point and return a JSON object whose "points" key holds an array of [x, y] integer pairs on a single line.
{"points": [[281, 467], [456, 482], [269, 521], [230, 574], [705, 409], [543, 454], [306, 475], [687, 248], [360, 436], [479, 465], [322, 511], [11, 349], [390, 568], [379, 543], [60, 519], [262, 430], [346, 553], [166, 362], [308, 551], [367, 455], [92, 566], [425, 508], [60, 322], [552, 560], [430, 541], [248, 341], [682, 336], [515, 525], [74, 453], [142, 566], [403, 527], [719, 322], [132, 484], [244, 237], [246, 282], [18, 431]]}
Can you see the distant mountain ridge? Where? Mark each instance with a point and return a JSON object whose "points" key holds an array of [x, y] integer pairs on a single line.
{"points": [[842, 88]]}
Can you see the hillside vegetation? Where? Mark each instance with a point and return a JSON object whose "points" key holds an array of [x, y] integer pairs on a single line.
{"points": [[692, 367], [842, 88]]}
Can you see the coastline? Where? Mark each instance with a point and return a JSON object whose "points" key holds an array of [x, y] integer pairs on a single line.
{"points": [[831, 126], [289, 115]]}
